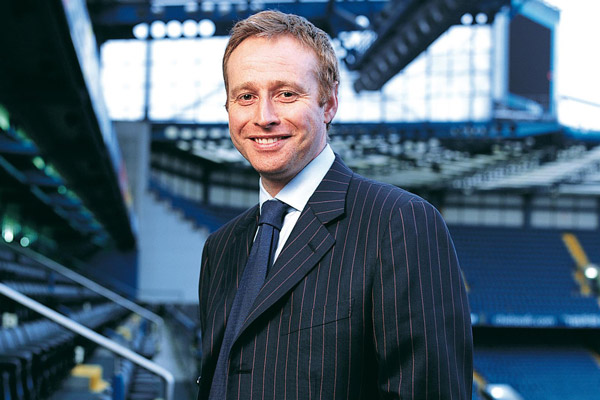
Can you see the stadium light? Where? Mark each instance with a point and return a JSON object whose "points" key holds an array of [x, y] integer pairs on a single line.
{"points": [[362, 21], [466, 19], [497, 392], [502, 392], [481, 18], [190, 28], [174, 29], [158, 30], [591, 271], [8, 234], [140, 31], [190, 7], [206, 28]]}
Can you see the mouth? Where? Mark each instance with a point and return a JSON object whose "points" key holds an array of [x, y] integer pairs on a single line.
{"points": [[268, 140]]}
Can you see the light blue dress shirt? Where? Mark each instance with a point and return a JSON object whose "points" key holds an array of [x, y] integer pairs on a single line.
{"points": [[297, 192]]}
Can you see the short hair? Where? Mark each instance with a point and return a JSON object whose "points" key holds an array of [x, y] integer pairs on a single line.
{"points": [[270, 24]]}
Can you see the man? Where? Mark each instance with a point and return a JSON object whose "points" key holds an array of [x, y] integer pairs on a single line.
{"points": [[364, 299]]}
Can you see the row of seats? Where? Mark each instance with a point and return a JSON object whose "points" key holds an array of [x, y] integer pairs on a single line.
{"points": [[36, 356], [132, 382], [184, 318], [542, 372], [121, 379], [10, 270], [210, 217], [521, 271], [45, 292]]}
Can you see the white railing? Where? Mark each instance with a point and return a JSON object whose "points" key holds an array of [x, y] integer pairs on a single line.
{"points": [[94, 337]]}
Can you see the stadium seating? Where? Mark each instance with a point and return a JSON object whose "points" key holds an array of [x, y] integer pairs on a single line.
{"points": [[522, 276], [38, 355], [202, 215], [510, 272], [542, 372]]}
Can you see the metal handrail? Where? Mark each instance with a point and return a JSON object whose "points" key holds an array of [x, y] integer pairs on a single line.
{"points": [[94, 337], [88, 283]]}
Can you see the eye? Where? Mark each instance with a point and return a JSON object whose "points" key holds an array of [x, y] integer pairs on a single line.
{"points": [[288, 96], [245, 98]]}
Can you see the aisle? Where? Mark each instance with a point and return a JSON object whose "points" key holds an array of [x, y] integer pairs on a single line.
{"points": [[169, 358]]}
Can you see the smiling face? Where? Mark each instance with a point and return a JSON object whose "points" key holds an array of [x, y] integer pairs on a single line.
{"points": [[275, 119]]}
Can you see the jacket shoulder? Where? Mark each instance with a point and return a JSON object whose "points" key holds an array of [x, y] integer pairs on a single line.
{"points": [[382, 194], [239, 222]]}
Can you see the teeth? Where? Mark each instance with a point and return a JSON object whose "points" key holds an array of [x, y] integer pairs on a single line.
{"points": [[266, 140]]}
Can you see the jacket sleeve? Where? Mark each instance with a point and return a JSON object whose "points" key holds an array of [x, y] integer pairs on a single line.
{"points": [[203, 298], [421, 318], [203, 286]]}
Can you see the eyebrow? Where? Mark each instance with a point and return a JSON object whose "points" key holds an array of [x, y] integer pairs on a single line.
{"points": [[276, 84]]}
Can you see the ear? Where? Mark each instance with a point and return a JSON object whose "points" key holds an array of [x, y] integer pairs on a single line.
{"points": [[331, 105]]}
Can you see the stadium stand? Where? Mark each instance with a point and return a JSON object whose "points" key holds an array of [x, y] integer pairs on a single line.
{"points": [[202, 215], [523, 277], [542, 372], [40, 359], [59, 154], [185, 320]]}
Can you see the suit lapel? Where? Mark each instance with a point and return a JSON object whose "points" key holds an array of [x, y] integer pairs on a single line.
{"points": [[309, 241]]}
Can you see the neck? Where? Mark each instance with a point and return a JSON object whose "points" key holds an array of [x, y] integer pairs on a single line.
{"points": [[273, 187]]}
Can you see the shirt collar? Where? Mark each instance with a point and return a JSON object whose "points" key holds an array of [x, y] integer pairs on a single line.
{"points": [[297, 192]]}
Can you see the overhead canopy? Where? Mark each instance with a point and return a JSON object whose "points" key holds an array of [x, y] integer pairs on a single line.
{"points": [[52, 100]]}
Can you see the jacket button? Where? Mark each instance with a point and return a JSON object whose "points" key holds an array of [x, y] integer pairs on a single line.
{"points": [[198, 380]]}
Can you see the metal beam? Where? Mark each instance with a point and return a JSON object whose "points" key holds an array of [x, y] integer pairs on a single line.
{"points": [[404, 31], [115, 20]]}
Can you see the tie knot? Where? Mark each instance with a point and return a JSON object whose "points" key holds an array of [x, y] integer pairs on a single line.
{"points": [[272, 213]]}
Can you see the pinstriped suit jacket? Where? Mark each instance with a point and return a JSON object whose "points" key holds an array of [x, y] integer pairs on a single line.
{"points": [[365, 301]]}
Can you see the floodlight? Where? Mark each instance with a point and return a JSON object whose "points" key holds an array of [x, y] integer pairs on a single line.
{"points": [[190, 7], [591, 271], [208, 6], [502, 392], [158, 30], [140, 31], [362, 21], [174, 29], [206, 28], [466, 19], [190, 28], [8, 234]]}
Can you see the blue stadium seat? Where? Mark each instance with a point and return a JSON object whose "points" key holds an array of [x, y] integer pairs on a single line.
{"points": [[203, 215], [542, 372], [513, 271]]}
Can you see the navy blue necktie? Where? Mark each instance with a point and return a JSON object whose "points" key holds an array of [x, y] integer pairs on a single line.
{"points": [[260, 259]]}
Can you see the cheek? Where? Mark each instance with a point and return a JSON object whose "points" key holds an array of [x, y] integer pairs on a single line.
{"points": [[236, 124]]}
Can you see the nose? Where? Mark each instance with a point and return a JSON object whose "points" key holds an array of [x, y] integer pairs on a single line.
{"points": [[266, 114]]}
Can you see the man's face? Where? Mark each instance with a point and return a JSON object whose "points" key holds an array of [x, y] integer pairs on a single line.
{"points": [[275, 119]]}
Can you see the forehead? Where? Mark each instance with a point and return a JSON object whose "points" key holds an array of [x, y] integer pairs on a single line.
{"points": [[271, 58]]}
